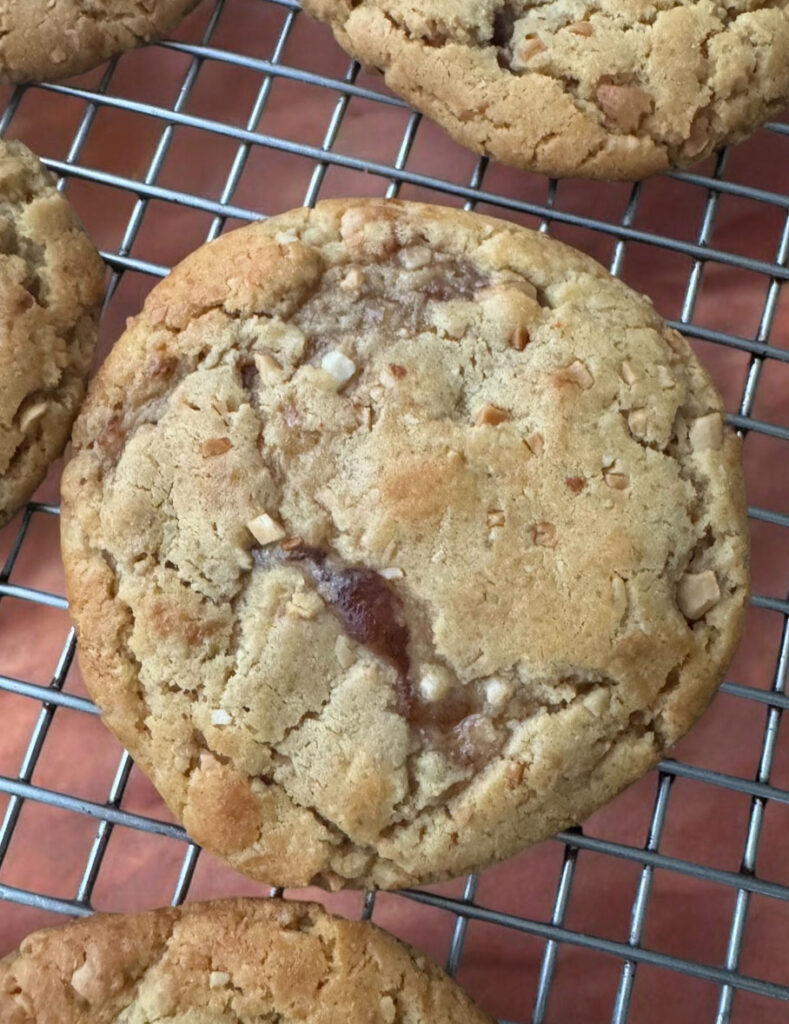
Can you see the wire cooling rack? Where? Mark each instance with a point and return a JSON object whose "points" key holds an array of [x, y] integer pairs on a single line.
{"points": [[674, 900]]}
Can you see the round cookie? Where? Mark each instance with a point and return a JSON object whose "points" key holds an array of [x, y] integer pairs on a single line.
{"points": [[616, 89], [51, 283], [398, 538], [46, 40], [229, 962]]}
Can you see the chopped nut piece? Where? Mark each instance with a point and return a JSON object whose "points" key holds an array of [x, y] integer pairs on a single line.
{"points": [[495, 518], [305, 604], [338, 366], [501, 288], [291, 543], [353, 280], [697, 592], [220, 717], [497, 692], [364, 415], [490, 416], [535, 444], [32, 415], [530, 48], [514, 774], [637, 422], [388, 1009], [707, 432], [665, 377], [699, 135], [625, 105], [544, 535], [616, 481], [215, 446], [575, 483], [286, 237], [576, 373], [520, 338], [435, 683], [392, 573], [619, 591], [218, 979], [265, 530], [415, 257], [267, 366], [597, 700], [580, 28], [344, 652], [628, 373]]}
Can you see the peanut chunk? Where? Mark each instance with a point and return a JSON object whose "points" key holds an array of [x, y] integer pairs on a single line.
{"points": [[576, 373], [628, 373], [32, 415], [707, 432], [338, 366], [501, 290], [215, 446], [416, 257], [544, 535], [535, 444], [267, 366], [520, 338], [490, 416], [697, 592], [353, 281], [581, 28], [616, 481], [305, 604], [625, 105], [265, 530], [530, 48], [637, 422]]}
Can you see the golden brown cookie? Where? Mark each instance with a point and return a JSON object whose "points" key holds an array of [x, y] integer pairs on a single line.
{"points": [[229, 962], [398, 538], [600, 89], [51, 282], [50, 39]]}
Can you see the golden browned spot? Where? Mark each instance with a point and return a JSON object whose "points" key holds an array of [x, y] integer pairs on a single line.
{"points": [[575, 483]]}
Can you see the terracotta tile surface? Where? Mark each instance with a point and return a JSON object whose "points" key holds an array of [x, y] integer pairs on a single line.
{"points": [[687, 917]]}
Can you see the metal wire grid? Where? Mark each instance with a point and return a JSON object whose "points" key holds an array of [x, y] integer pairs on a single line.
{"points": [[392, 177]]}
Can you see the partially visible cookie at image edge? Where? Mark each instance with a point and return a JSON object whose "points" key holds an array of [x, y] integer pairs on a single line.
{"points": [[398, 538], [243, 960], [42, 40], [606, 89], [51, 283]]}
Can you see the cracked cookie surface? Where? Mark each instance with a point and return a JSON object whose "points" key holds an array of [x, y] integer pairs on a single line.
{"points": [[51, 282], [594, 88], [228, 962], [51, 39], [398, 538]]}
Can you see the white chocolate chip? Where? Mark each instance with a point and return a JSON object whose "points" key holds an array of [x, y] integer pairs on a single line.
{"points": [[392, 573], [305, 604], [338, 366], [597, 700], [218, 979], [265, 530], [606, 461], [637, 422], [415, 257], [31, 415], [286, 237], [220, 717], [697, 593], [707, 432], [665, 377], [497, 692], [435, 683], [353, 280]]}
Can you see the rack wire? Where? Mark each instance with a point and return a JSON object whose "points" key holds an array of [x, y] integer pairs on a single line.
{"points": [[700, 253]]}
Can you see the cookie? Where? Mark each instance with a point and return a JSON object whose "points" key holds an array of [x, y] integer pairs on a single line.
{"points": [[43, 40], [616, 89], [241, 960], [398, 538], [51, 282]]}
